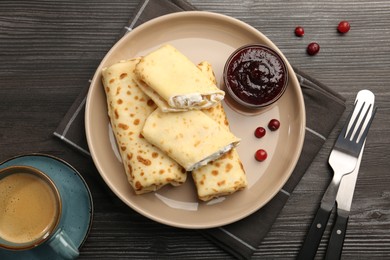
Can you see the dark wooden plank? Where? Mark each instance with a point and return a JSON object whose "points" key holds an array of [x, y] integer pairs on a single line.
{"points": [[49, 50]]}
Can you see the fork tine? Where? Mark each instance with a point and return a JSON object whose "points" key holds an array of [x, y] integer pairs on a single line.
{"points": [[353, 126], [365, 132], [345, 127], [362, 122], [353, 147]]}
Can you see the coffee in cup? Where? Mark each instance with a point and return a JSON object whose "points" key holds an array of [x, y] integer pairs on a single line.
{"points": [[30, 211]]}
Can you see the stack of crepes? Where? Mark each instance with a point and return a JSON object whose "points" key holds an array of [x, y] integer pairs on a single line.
{"points": [[168, 120]]}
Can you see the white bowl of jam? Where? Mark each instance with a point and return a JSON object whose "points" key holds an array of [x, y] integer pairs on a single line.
{"points": [[255, 76]]}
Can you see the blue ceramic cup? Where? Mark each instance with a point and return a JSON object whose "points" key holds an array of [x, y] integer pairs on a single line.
{"points": [[30, 212]]}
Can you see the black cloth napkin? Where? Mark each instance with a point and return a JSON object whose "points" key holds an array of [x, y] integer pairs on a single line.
{"points": [[324, 107]]}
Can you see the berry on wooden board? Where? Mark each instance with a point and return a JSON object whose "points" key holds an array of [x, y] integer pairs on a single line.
{"points": [[299, 31], [343, 27], [313, 48]]}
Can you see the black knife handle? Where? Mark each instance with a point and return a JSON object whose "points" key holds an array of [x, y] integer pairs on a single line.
{"points": [[313, 238], [336, 239]]}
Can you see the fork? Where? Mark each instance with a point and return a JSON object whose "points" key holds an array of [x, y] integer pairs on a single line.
{"points": [[343, 160]]}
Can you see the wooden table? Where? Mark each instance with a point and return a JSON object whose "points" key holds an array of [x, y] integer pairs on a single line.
{"points": [[49, 49]]}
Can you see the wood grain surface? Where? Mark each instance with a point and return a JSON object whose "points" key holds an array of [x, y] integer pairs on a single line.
{"points": [[50, 48]]}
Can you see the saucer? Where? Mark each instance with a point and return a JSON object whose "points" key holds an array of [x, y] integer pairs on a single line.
{"points": [[76, 219]]}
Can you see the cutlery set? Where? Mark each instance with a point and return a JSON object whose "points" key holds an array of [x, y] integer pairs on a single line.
{"points": [[344, 159]]}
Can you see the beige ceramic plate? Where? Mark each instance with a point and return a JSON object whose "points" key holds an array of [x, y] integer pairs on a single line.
{"points": [[212, 37]]}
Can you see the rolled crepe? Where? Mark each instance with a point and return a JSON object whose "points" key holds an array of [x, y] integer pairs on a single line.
{"points": [[225, 175], [174, 82], [147, 167], [191, 138]]}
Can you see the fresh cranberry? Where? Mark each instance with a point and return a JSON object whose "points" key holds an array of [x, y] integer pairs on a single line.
{"points": [[274, 124], [299, 31], [261, 155], [343, 27], [260, 132], [313, 48]]}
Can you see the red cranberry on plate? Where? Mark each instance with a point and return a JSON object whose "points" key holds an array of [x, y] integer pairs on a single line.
{"points": [[260, 132], [261, 155], [274, 124]]}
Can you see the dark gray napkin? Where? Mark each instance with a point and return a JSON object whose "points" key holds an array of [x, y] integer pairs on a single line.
{"points": [[323, 109]]}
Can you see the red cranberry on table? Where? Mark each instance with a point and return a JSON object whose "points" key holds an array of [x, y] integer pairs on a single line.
{"points": [[343, 27], [261, 155], [274, 124], [313, 48], [260, 132], [299, 31]]}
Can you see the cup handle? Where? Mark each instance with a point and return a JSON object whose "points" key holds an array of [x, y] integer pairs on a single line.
{"points": [[63, 245]]}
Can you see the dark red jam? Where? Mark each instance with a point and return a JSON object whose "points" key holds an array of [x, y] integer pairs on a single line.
{"points": [[255, 76]]}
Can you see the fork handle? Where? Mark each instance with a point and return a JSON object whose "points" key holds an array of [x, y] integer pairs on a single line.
{"points": [[337, 236], [313, 238]]}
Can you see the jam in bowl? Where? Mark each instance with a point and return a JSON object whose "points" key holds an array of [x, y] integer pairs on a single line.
{"points": [[255, 76]]}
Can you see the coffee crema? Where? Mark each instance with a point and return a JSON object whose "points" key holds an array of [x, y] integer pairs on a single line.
{"points": [[28, 208]]}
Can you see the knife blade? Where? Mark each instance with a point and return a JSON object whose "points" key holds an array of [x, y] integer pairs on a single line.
{"points": [[344, 201]]}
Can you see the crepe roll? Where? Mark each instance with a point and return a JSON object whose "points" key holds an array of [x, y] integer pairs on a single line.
{"points": [[191, 138], [146, 166], [174, 82], [225, 175]]}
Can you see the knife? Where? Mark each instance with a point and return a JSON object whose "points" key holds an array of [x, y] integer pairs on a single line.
{"points": [[344, 201], [344, 167]]}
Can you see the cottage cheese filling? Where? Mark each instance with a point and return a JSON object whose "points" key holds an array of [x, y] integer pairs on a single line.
{"points": [[195, 100]]}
